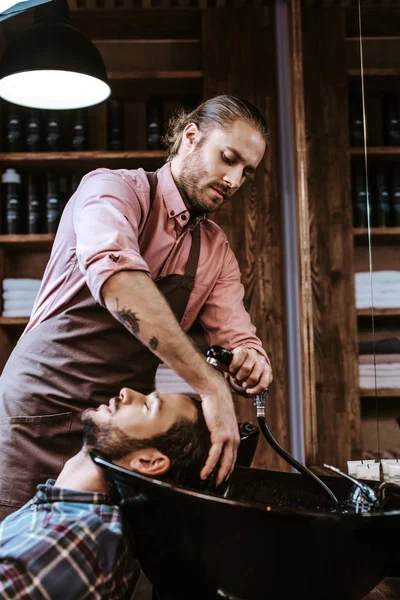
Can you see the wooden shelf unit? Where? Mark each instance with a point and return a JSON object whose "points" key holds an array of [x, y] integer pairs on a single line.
{"points": [[385, 242]]}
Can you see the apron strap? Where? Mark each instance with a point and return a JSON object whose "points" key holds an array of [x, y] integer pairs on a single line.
{"points": [[194, 255], [153, 182]]}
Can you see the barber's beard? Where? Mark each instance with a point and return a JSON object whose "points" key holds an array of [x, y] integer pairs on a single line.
{"points": [[105, 439], [192, 185]]}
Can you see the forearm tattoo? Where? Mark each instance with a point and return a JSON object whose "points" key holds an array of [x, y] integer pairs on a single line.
{"points": [[153, 343], [129, 319]]}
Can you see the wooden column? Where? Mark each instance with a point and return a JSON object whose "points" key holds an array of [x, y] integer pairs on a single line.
{"points": [[238, 58], [337, 433]]}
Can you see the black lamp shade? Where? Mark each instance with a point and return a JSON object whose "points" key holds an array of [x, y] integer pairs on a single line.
{"points": [[52, 44]]}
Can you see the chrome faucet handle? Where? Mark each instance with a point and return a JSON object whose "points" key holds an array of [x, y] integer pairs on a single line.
{"points": [[219, 357], [260, 401], [362, 498]]}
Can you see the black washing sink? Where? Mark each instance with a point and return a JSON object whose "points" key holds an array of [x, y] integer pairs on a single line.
{"points": [[275, 536]]}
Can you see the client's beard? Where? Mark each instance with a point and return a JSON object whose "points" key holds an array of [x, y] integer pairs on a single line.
{"points": [[106, 440]]}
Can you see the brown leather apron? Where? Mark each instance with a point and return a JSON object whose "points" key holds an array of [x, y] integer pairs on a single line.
{"points": [[78, 358]]}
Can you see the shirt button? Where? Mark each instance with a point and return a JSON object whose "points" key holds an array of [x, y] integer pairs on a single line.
{"points": [[172, 213], [183, 217]]}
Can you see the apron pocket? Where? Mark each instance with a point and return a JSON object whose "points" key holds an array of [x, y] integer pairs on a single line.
{"points": [[34, 450]]}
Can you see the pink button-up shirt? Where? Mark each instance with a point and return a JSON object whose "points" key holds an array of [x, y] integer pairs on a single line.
{"points": [[106, 227]]}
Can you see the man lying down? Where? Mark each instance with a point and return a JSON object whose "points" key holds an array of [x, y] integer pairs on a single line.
{"points": [[67, 542]]}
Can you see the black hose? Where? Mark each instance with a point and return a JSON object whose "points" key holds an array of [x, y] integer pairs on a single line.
{"points": [[221, 358], [293, 462]]}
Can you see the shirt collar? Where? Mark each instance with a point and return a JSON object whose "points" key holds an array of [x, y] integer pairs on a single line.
{"points": [[173, 200], [47, 492]]}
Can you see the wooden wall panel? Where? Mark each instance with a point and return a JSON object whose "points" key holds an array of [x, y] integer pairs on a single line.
{"points": [[306, 333], [330, 209], [115, 23], [252, 220]]}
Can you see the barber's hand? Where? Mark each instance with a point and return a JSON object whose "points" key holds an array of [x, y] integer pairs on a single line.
{"points": [[250, 370], [220, 417]]}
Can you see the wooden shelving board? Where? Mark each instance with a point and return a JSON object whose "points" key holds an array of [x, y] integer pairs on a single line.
{"points": [[375, 72], [126, 5], [377, 231], [378, 312], [380, 393], [376, 150], [102, 156], [380, 236], [114, 75], [13, 321], [40, 241]]}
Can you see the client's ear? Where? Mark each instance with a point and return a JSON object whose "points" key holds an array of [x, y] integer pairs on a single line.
{"points": [[149, 462]]}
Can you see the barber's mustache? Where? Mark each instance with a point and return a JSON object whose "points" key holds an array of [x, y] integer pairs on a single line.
{"points": [[117, 402], [224, 190]]}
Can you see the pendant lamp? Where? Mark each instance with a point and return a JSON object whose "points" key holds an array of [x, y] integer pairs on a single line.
{"points": [[52, 65], [13, 8]]}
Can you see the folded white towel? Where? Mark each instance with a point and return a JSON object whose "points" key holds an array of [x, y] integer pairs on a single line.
{"points": [[383, 290], [381, 276], [18, 312], [391, 384], [378, 288], [21, 284], [379, 291], [394, 303], [27, 295], [380, 368], [387, 375], [381, 296], [18, 304], [169, 381]]}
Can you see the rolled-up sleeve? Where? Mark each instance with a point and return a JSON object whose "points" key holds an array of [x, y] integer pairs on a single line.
{"points": [[224, 318], [107, 215]]}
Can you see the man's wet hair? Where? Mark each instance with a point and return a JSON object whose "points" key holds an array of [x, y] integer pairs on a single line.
{"points": [[220, 111], [186, 443]]}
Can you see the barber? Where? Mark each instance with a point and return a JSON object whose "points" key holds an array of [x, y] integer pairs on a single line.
{"points": [[135, 262]]}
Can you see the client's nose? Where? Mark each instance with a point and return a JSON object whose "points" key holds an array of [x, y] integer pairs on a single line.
{"points": [[127, 395]]}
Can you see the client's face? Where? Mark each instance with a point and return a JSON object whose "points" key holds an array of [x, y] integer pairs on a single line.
{"points": [[111, 428]]}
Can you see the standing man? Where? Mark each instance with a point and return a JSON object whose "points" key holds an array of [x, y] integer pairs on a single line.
{"points": [[135, 262]]}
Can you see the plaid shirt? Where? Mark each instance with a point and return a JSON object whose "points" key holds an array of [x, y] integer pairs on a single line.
{"points": [[67, 545]]}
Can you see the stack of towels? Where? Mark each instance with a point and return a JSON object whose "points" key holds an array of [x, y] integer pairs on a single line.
{"points": [[385, 289], [19, 296], [386, 361], [168, 381]]}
